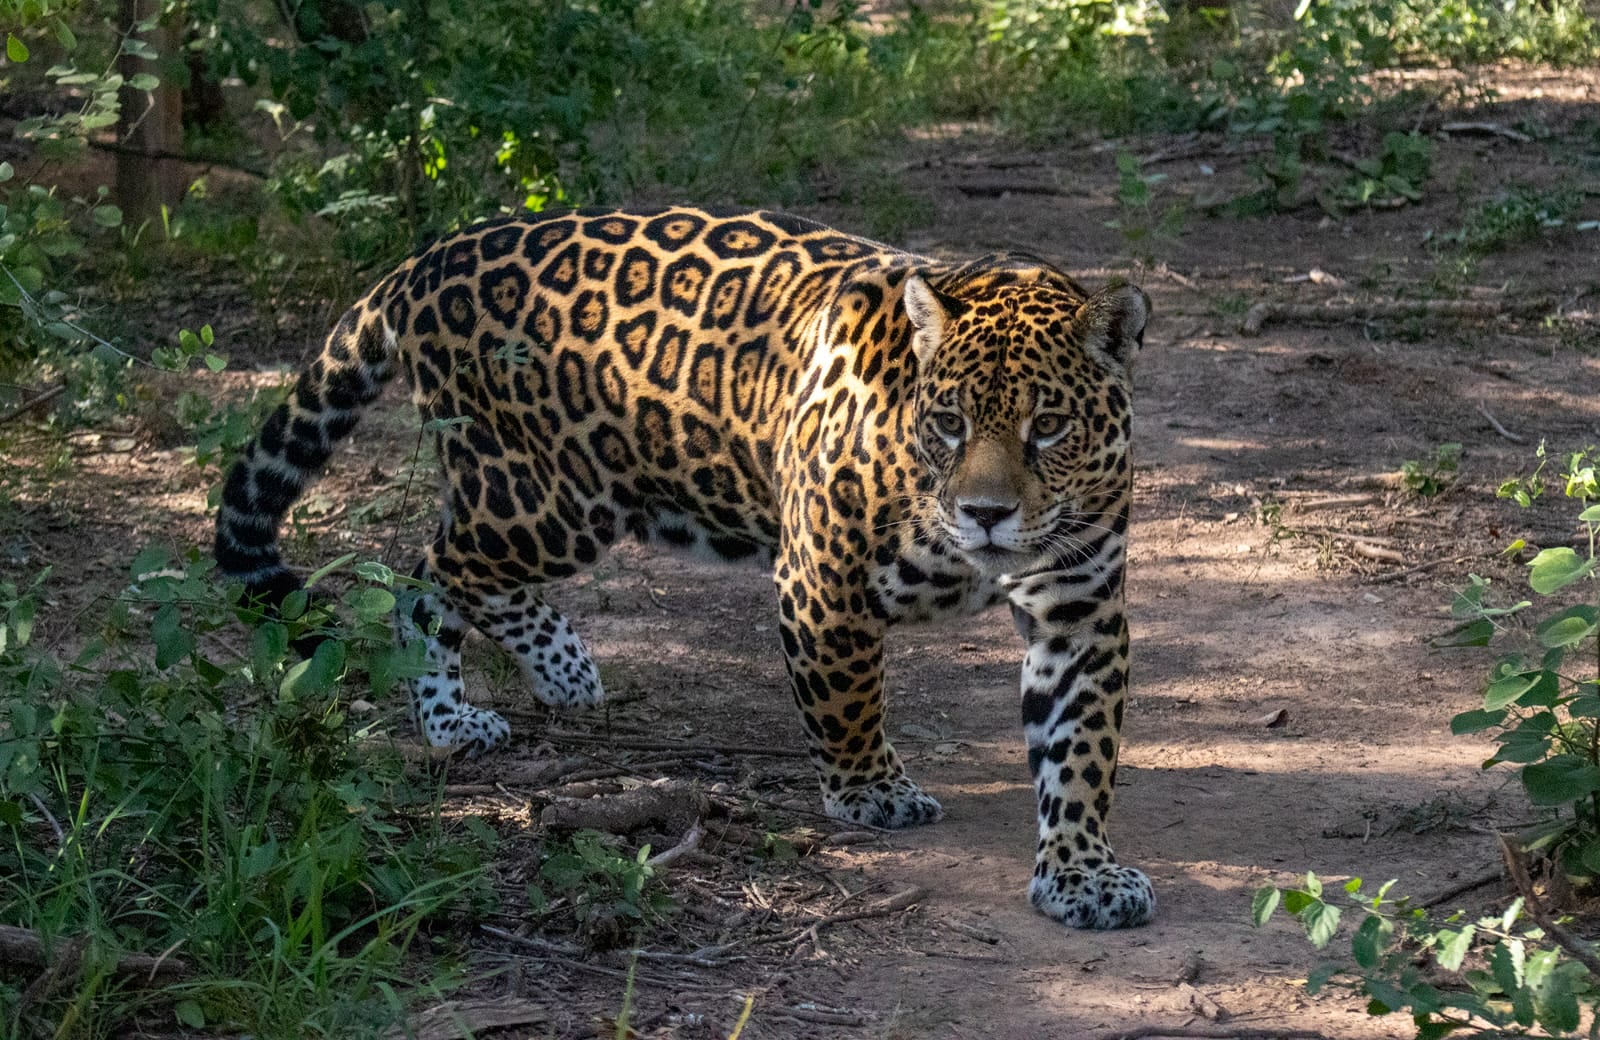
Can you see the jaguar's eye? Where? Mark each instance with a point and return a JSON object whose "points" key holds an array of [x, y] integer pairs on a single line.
{"points": [[1047, 425], [950, 424]]}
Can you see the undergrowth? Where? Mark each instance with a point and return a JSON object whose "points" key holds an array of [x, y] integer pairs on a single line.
{"points": [[164, 792]]}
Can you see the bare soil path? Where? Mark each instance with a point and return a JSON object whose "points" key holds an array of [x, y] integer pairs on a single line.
{"points": [[1287, 713]]}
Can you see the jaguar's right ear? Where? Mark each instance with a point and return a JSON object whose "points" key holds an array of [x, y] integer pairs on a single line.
{"points": [[927, 312]]}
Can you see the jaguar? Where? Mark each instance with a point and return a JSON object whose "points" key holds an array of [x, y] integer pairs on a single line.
{"points": [[897, 438]]}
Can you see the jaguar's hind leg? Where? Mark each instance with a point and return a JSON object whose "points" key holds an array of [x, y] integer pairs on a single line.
{"points": [[551, 655], [438, 698]]}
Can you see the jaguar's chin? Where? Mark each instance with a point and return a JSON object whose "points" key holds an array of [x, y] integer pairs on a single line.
{"points": [[995, 560]]}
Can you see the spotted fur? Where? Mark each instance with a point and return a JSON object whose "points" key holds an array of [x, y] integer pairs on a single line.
{"points": [[899, 438]]}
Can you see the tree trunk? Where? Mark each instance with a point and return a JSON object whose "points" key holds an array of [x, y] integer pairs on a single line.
{"points": [[149, 176]]}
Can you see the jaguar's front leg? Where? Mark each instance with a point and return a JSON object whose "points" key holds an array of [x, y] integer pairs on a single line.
{"points": [[835, 663], [1074, 678]]}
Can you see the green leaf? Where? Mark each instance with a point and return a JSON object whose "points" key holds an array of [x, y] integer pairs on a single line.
{"points": [[1560, 779], [1263, 904], [16, 50], [1506, 961], [108, 216], [1557, 568], [294, 605], [1321, 921], [173, 642], [7, 171], [1555, 1003], [144, 81], [373, 571], [22, 620], [328, 568], [1588, 516], [1454, 946], [216, 363], [1476, 721], [188, 1013], [1473, 633], [1572, 625], [1507, 689], [1370, 940], [150, 559], [370, 604], [318, 674], [64, 34], [269, 645]]}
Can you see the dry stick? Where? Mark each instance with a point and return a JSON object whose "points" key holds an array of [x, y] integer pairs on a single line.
{"points": [[1494, 129], [1501, 430], [995, 189], [26, 946], [1517, 867], [819, 1017], [1220, 1032], [463, 1019], [1486, 878], [31, 403], [1381, 579], [690, 842], [1264, 312], [627, 744], [892, 905], [546, 951]]}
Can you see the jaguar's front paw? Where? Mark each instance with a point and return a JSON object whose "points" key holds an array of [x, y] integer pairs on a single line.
{"points": [[893, 803], [1103, 896]]}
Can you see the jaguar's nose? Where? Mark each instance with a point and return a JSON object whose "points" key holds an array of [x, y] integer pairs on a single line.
{"points": [[987, 513]]}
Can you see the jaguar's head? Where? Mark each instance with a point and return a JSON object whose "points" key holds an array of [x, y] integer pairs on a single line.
{"points": [[1022, 415]]}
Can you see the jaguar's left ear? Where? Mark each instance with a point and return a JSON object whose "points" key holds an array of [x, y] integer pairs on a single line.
{"points": [[1116, 317], [928, 312]]}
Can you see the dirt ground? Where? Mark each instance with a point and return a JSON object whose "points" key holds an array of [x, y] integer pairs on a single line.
{"points": [[1287, 712]]}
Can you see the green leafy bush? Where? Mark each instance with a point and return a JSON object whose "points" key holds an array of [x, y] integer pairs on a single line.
{"points": [[1496, 976], [1430, 476], [163, 789], [1542, 701]]}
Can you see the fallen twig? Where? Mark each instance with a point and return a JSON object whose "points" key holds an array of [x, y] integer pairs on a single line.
{"points": [[1211, 1033], [1517, 867], [688, 843], [1388, 576], [548, 951], [31, 403], [1335, 502], [1375, 552], [464, 1019], [675, 808], [1488, 877], [820, 1017], [1494, 129], [25, 946], [883, 908], [1501, 430], [996, 189], [629, 744], [1338, 311]]}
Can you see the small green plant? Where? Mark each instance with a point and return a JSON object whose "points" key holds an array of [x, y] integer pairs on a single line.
{"points": [[1432, 475], [1141, 222], [161, 789], [1542, 701], [1395, 176], [610, 892], [1493, 977], [1515, 216]]}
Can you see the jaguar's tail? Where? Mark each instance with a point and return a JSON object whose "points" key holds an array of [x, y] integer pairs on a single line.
{"points": [[356, 360]]}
